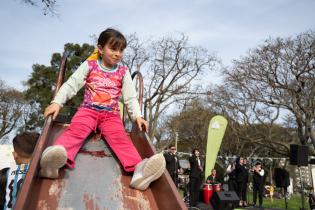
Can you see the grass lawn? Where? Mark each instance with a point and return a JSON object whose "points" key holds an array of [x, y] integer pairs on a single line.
{"points": [[293, 204]]}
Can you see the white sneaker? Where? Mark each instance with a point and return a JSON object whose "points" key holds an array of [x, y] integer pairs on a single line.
{"points": [[53, 158], [147, 171]]}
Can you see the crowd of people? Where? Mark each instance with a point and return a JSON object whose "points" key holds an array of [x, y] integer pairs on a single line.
{"points": [[238, 173], [238, 177], [195, 172]]}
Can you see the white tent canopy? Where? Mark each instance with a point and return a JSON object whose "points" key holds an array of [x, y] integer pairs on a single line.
{"points": [[6, 157]]}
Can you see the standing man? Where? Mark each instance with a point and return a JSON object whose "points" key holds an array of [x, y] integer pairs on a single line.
{"points": [[195, 177], [258, 183], [172, 164]]}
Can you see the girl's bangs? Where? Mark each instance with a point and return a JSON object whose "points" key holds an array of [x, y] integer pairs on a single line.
{"points": [[117, 43]]}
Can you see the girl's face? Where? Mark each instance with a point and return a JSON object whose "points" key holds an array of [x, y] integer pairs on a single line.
{"points": [[110, 56]]}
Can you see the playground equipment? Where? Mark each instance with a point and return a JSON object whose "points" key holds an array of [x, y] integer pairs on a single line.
{"points": [[97, 182]]}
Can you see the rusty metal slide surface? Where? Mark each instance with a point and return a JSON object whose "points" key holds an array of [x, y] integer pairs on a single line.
{"points": [[97, 182]]}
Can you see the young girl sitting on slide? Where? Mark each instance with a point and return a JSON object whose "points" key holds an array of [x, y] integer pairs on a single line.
{"points": [[105, 80]]}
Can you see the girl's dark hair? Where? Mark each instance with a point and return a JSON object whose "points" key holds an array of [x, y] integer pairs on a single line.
{"points": [[114, 38]]}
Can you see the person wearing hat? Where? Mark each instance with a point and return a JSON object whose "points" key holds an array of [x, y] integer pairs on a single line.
{"points": [[258, 183]]}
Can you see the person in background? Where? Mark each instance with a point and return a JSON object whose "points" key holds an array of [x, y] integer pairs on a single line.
{"points": [[195, 177], [241, 177], [232, 176], [212, 178], [282, 178], [258, 183], [172, 163], [246, 179], [11, 179]]}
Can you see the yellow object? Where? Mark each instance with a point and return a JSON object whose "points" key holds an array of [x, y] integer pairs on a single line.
{"points": [[272, 189], [94, 56]]}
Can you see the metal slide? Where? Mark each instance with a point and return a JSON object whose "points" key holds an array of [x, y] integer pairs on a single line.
{"points": [[97, 182]]}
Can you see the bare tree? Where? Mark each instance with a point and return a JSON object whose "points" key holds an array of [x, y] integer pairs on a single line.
{"points": [[174, 67], [11, 106], [276, 76], [17, 114], [253, 128], [136, 55], [191, 124], [171, 68], [48, 6]]}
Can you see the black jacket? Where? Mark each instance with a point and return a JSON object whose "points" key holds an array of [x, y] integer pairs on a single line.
{"points": [[258, 180], [172, 164], [241, 173], [195, 171], [247, 173]]}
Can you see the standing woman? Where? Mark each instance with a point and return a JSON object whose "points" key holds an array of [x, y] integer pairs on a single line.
{"points": [[246, 178], [195, 179], [241, 180]]}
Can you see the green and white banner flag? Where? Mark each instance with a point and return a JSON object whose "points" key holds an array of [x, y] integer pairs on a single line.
{"points": [[216, 132]]}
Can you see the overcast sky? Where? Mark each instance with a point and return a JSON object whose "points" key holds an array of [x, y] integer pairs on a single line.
{"points": [[228, 27]]}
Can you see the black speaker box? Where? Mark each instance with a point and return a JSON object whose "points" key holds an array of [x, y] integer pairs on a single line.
{"points": [[298, 155], [225, 200]]}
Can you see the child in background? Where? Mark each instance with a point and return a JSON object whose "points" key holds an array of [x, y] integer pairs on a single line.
{"points": [[105, 82], [271, 192], [12, 178]]}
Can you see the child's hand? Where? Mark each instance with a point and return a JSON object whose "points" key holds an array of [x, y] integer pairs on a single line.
{"points": [[53, 109], [142, 124]]}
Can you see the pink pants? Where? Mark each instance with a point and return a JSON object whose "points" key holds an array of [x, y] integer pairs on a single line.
{"points": [[87, 120]]}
